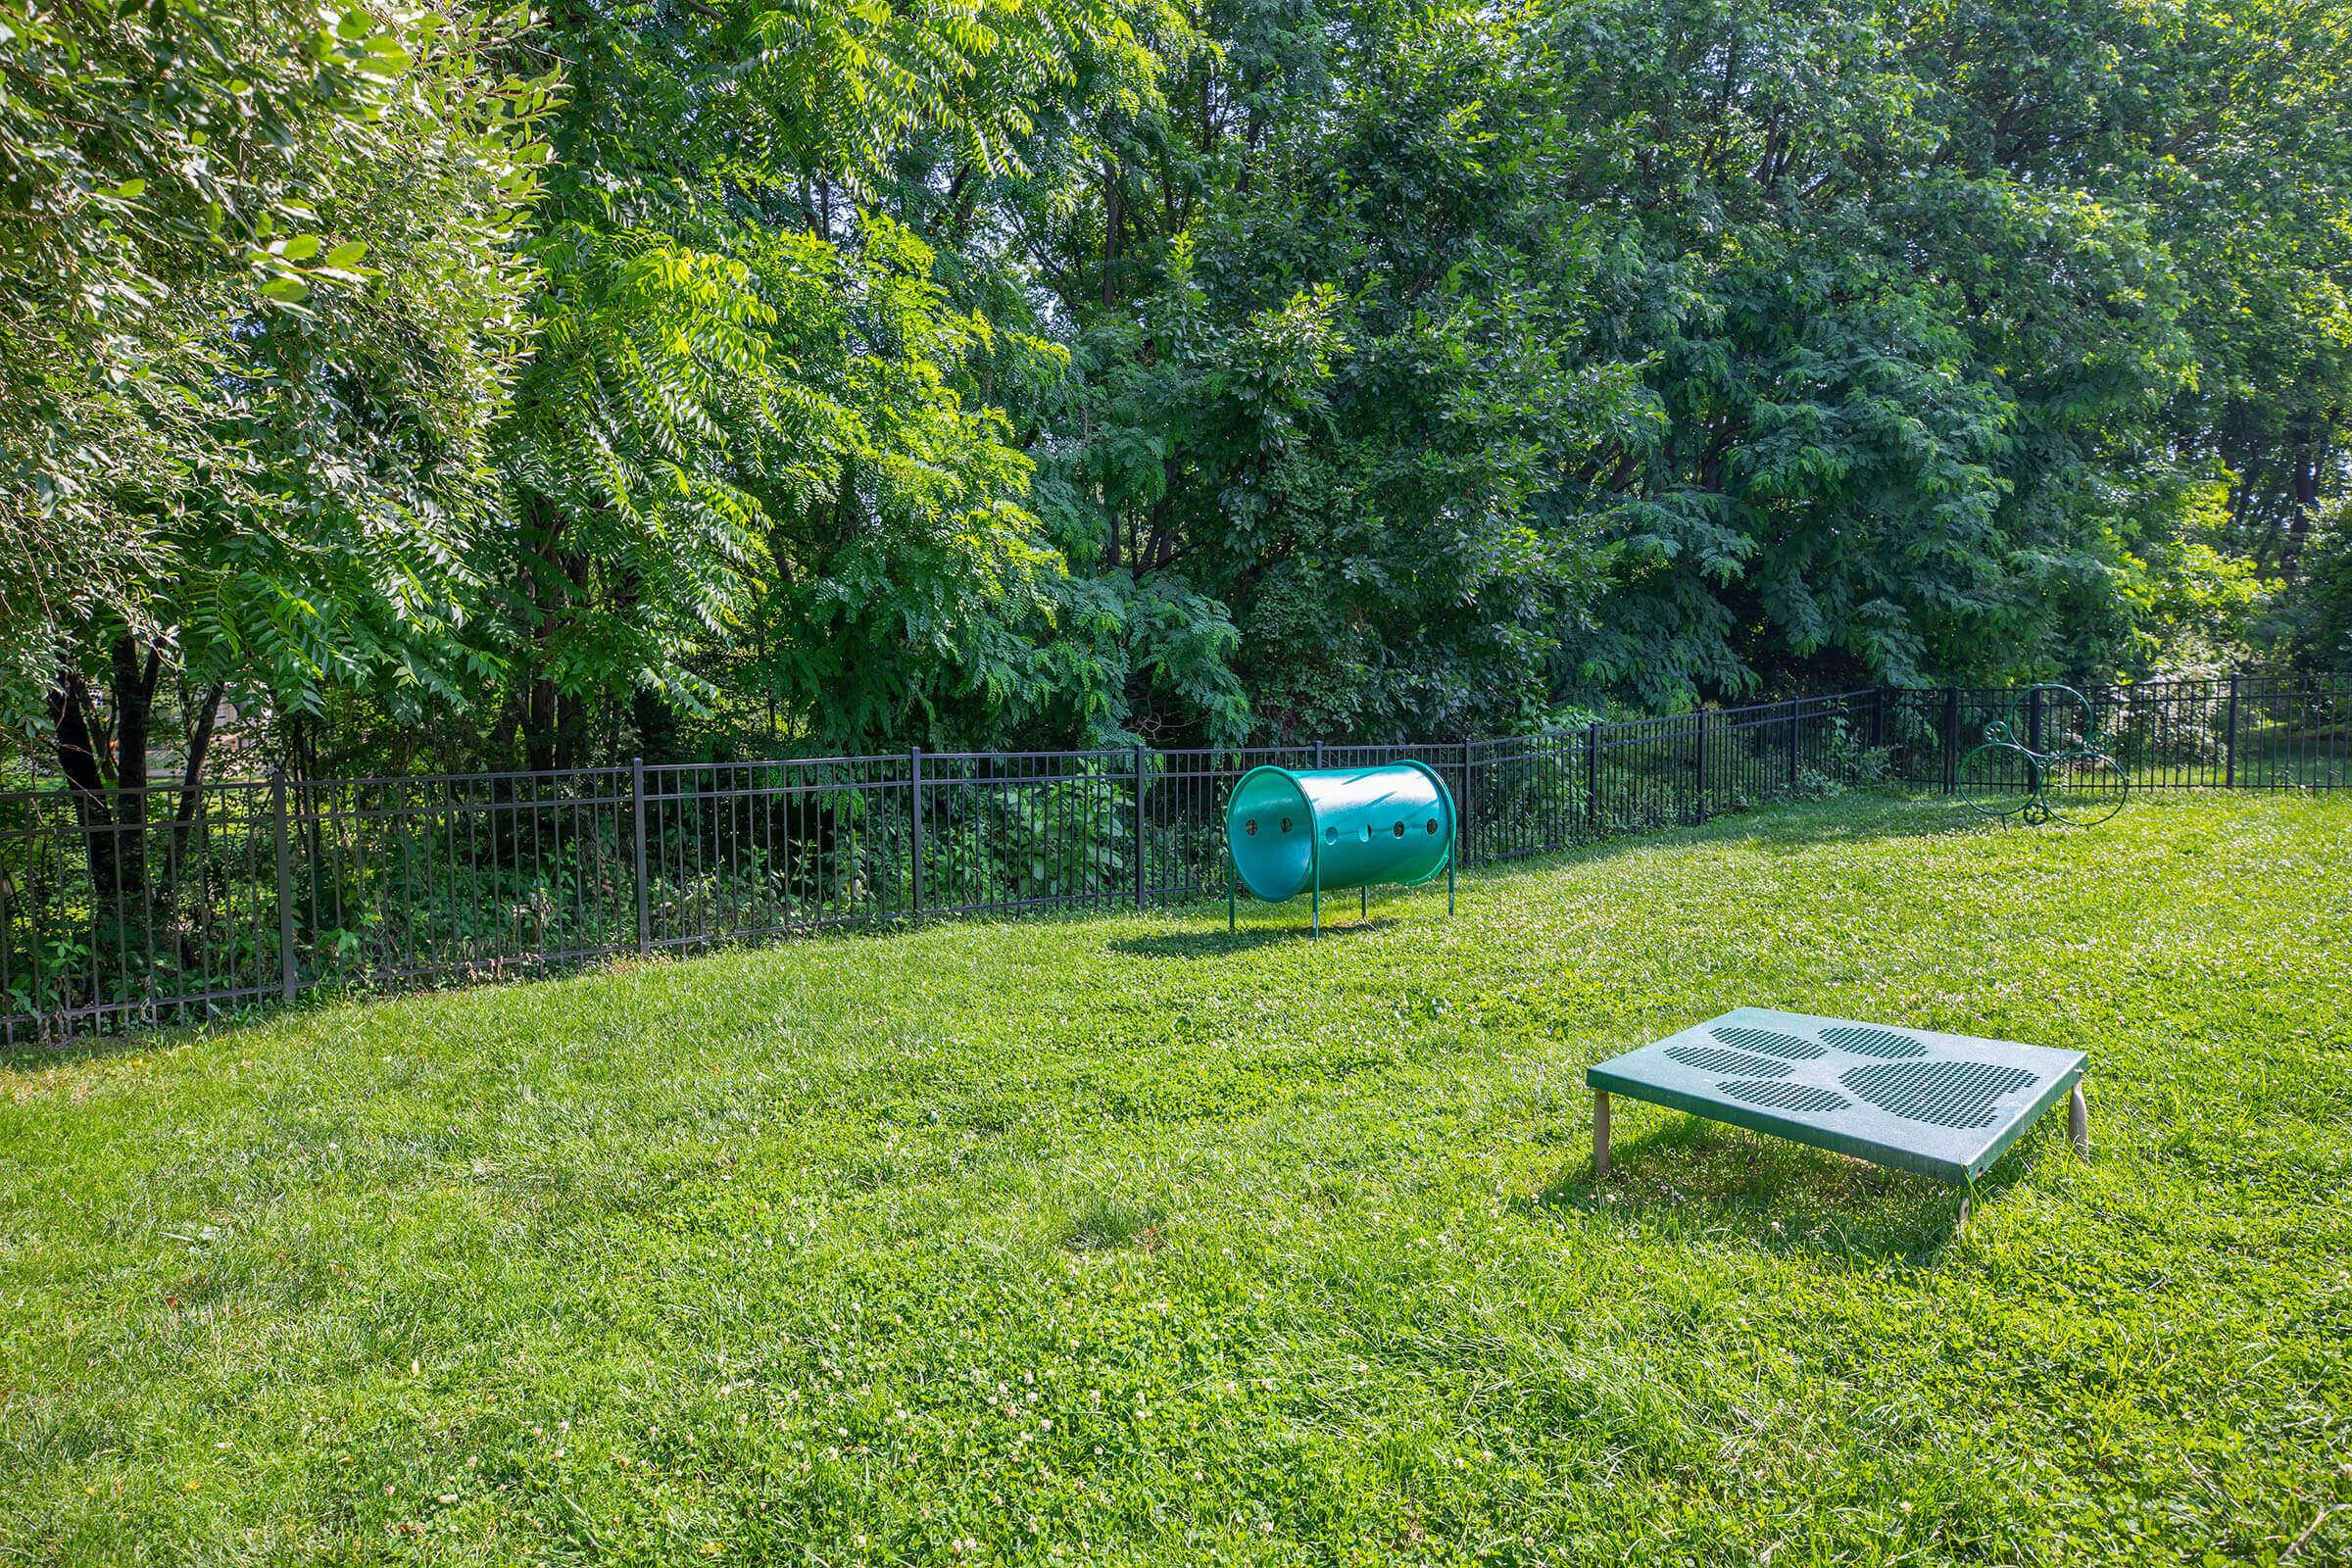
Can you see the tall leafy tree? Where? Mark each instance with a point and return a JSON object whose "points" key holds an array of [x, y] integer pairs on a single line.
{"points": [[261, 303], [759, 425]]}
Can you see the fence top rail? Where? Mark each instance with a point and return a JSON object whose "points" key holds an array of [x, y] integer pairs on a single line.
{"points": [[59, 790], [2318, 682], [552, 776], [1103, 754], [897, 758], [1106, 754]]}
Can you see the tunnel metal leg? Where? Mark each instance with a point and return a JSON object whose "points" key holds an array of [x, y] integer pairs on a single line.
{"points": [[1600, 1135], [1315, 907], [1363, 902], [1448, 884], [1230, 878]]}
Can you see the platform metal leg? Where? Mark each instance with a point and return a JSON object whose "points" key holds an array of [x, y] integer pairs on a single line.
{"points": [[1363, 902], [1315, 909], [1600, 1135], [2078, 1121], [1231, 877], [1450, 884]]}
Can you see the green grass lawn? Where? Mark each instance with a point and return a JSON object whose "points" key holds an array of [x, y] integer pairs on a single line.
{"points": [[1120, 1240]]}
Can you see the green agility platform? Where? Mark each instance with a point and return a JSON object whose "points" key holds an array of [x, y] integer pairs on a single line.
{"points": [[1943, 1105]]}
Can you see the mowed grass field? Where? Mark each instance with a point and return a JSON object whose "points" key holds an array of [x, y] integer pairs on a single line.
{"points": [[1116, 1239]]}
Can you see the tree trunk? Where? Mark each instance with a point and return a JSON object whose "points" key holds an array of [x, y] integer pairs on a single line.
{"points": [[78, 758], [134, 710], [1113, 220], [2306, 504], [110, 802], [539, 726], [191, 777]]}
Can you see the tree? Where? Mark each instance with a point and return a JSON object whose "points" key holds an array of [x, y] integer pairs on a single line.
{"points": [[262, 310], [759, 425]]}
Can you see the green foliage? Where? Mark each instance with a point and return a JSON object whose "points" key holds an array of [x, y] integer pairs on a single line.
{"points": [[709, 377], [2313, 615], [754, 464], [1666, 348], [262, 302]]}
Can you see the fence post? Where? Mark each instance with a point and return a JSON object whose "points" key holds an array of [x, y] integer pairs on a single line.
{"points": [[1139, 825], [1702, 766], [2033, 718], [2229, 765], [1952, 740], [645, 914], [1319, 753], [1877, 718], [285, 885], [915, 786], [1593, 773]]}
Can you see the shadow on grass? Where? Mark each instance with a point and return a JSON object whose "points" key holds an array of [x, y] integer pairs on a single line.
{"points": [[1782, 828], [1212, 942], [138, 1040], [1703, 1179], [1863, 817]]}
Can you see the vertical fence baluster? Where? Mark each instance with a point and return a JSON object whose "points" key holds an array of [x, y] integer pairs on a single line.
{"points": [[914, 784], [1593, 775], [1796, 718], [645, 910], [1465, 834], [2229, 753], [286, 891], [1701, 746], [1952, 740]]}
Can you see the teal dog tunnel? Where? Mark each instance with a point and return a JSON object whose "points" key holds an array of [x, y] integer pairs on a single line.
{"points": [[1318, 830]]}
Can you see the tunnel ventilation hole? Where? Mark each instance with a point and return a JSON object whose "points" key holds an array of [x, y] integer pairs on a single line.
{"points": [[1433, 824], [1250, 827], [1331, 835], [1400, 830], [1286, 824]]}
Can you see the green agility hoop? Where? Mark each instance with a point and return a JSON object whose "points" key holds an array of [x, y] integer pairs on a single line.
{"points": [[2018, 772]]}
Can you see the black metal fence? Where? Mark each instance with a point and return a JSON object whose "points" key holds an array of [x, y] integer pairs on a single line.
{"points": [[168, 905], [2241, 732]]}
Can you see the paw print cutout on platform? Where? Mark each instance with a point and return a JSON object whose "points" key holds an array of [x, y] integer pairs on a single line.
{"points": [[1772, 1042], [1942, 1093], [1714, 1059], [1869, 1039]]}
